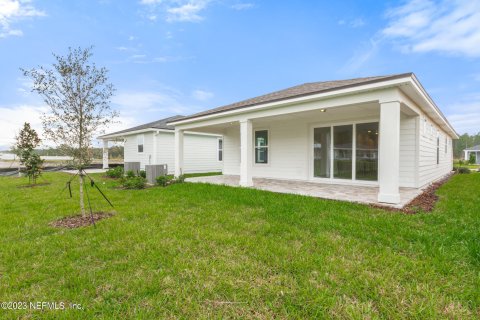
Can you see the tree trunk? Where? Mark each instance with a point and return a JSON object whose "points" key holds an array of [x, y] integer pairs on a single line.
{"points": [[82, 203]]}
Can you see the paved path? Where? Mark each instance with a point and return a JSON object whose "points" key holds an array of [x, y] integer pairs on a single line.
{"points": [[343, 192]]}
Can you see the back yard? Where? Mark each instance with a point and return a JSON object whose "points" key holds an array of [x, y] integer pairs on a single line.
{"points": [[205, 251]]}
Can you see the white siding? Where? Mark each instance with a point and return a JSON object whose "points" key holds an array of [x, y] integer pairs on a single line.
{"points": [[287, 150], [200, 152], [408, 151], [429, 170], [231, 153], [131, 153]]}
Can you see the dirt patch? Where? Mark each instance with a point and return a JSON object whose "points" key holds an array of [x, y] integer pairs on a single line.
{"points": [[33, 185], [78, 221], [424, 202]]}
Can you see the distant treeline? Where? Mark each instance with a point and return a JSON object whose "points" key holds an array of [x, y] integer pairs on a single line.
{"points": [[464, 142], [114, 152]]}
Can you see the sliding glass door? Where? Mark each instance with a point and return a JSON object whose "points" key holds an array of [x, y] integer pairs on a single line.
{"points": [[340, 154]]}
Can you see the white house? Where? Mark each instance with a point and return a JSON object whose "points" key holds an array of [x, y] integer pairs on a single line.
{"points": [[475, 150], [153, 143], [381, 131]]}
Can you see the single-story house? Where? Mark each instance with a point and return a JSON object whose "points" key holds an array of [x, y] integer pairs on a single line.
{"points": [[475, 150], [153, 143], [383, 131]]}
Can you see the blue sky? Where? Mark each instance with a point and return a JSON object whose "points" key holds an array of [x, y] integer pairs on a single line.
{"points": [[170, 57]]}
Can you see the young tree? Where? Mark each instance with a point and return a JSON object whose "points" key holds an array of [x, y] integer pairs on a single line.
{"points": [[26, 141], [78, 94]]}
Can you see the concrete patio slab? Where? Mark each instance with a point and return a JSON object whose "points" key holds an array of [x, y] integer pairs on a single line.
{"points": [[359, 194]]}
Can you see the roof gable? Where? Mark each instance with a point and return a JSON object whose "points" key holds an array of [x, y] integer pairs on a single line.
{"points": [[159, 124]]}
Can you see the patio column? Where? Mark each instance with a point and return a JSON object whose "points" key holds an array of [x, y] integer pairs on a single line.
{"points": [[105, 154], [389, 152], [246, 153], [466, 155], [178, 152]]}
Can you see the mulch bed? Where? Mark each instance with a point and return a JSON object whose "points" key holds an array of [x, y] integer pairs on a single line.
{"points": [[79, 221], [33, 185], [424, 202]]}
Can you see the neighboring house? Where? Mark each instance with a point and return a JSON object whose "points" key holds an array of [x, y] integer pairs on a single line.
{"points": [[153, 143], [475, 151], [379, 131]]}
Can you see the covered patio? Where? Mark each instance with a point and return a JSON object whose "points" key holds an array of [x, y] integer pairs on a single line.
{"points": [[345, 192]]}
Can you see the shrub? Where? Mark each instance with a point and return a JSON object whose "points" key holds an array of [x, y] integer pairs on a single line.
{"points": [[180, 179], [472, 159], [115, 173], [133, 182], [130, 174], [163, 180], [463, 170], [143, 173]]}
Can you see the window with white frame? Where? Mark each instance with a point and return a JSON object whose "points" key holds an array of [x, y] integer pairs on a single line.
{"points": [[438, 148], [140, 141], [261, 146], [220, 149]]}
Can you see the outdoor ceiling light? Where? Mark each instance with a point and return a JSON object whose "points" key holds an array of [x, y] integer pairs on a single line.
{"points": [[323, 110]]}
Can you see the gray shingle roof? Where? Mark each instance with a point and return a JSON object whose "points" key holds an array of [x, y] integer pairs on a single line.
{"points": [[159, 124], [299, 91], [474, 148]]}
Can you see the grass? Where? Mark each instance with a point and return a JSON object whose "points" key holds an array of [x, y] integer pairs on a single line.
{"points": [[206, 251]]}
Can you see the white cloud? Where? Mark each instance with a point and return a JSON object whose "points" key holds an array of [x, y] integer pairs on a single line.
{"points": [[202, 95], [448, 26], [12, 11], [13, 117], [138, 103], [176, 10], [355, 23], [242, 6], [465, 117], [187, 12]]}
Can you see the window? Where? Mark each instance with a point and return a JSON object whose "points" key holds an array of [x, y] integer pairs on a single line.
{"points": [[367, 151], [140, 139], [446, 144], [261, 146], [220, 150], [438, 149]]}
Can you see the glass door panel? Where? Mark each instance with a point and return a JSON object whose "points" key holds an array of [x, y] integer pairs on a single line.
{"points": [[342, 152], [367, 151], [321, 152]]}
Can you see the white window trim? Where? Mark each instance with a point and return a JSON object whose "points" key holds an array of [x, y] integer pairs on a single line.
{"points": [[218, 149], [267, 147], [143, 143]]}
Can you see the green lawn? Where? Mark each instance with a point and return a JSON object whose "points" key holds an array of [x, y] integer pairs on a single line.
{"points": [[204, 251]]}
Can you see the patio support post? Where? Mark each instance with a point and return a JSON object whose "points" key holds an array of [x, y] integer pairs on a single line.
{"points": [[246, 153], [178, 152], [389, 152], [105, 154]]}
